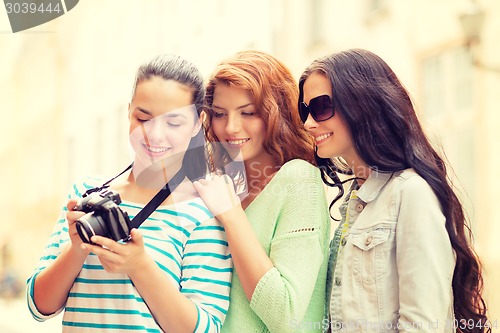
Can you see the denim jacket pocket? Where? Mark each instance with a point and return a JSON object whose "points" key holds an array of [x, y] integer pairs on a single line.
{"points": [[368, 240], [371, 253]]}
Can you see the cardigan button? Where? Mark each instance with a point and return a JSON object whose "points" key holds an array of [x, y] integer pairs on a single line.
{"points": [[368, 240], [343, 242], [359, 207]]}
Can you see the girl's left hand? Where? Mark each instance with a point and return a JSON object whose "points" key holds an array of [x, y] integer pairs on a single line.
{"points": [[120, 257]]}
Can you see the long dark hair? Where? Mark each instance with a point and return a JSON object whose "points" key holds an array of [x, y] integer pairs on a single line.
{"points": [[388, 137], [175, 68]]}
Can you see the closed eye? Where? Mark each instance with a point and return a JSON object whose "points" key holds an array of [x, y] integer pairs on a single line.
{"points": [[218, 114]]}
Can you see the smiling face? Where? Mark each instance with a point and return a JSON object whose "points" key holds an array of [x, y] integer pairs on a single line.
{"points": [[236, 124], [162, 122], [332, 136]]}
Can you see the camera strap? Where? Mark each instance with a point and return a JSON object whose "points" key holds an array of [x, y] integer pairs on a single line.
{"points": [[151, 206], [106, 184], [157, 199]]}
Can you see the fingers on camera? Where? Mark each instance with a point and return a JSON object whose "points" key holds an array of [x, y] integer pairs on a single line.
{"points": [[71, 205]]}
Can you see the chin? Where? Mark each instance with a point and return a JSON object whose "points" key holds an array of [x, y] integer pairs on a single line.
{"points": [[157, 166], [234, 154], [237, 157], [323, 154]]}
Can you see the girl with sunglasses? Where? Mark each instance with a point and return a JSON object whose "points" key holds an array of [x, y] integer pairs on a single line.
{"points": [[278, 234], [400, 258]]}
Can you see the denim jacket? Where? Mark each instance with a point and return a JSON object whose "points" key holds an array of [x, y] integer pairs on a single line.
{"points": [[397, 263]]}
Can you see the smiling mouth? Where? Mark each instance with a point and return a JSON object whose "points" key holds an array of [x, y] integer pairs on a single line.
{"points": [[322, 137], [156, 150], [238, 142]]}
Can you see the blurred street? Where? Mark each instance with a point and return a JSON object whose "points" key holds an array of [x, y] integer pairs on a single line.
{"points": [[65, 87], [16, 318]]}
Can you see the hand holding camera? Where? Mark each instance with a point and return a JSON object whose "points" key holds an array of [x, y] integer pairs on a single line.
{"points": [[103, 218], [72, 216]]}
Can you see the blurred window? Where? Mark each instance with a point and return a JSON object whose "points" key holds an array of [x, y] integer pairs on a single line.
{"points": [[375, 5], [463, 89], [448, 102], [317, 26], [433, 96], [448, 84]]}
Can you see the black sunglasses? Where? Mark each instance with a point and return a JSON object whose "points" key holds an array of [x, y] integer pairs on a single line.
{"points": [[320, 108]]}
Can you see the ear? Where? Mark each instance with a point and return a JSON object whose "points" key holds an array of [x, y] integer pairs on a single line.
{"points": [[203, 116], [129, 110], [197, 125]]}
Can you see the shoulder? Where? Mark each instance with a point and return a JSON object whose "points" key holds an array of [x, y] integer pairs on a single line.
{"points": [[203, 223], [299, 183], [195, 211], [413, 189], [299, 169], [410, 181], [298, 164]]}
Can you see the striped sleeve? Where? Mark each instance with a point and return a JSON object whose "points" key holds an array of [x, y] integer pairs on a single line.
{"points": [[57, 240], [206, 274]]}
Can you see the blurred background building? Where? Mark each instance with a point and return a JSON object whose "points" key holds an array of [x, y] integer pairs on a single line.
{"points": [[65, 86]]}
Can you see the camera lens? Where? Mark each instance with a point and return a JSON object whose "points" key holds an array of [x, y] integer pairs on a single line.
{"points": [[91, 225], [82, 228]]}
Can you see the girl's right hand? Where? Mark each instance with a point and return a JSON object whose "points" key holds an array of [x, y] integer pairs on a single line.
{"points": [[71, 216], [219, 196]]}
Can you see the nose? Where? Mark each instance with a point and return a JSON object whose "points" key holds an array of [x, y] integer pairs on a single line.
{"points": [[310, 123], [155, 130], [233, 124]]}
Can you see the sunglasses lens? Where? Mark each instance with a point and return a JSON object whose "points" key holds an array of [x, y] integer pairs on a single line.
{"points": [[303, 112], [321, 108]]}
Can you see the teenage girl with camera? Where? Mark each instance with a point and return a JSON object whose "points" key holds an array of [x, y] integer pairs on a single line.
{"points": [[174, 272], [401, 258]]}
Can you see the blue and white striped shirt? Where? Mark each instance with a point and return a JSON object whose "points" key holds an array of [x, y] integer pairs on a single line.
{"points": [[186, 242]]}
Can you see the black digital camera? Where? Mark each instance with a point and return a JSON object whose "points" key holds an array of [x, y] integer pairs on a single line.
{"points": [[103, 218]]}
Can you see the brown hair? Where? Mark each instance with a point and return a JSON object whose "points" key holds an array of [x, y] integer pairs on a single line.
{"points": [[175, 68]]}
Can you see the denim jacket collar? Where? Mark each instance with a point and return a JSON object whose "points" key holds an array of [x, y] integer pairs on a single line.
{"points": [[372, 186]]}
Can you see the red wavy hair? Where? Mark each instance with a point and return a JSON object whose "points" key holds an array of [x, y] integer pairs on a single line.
{"points": [[275, 95]]}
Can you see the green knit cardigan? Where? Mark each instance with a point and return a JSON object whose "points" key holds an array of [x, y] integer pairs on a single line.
{"points": [[291, 220]]}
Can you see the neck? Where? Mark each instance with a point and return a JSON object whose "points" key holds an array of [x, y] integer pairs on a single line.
{"points": [[360, 169], [155, 176], [259, 173]]}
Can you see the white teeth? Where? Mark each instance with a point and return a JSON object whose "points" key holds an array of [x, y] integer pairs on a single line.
{"points": [[237, 142], [156, 150], [322, 137]]}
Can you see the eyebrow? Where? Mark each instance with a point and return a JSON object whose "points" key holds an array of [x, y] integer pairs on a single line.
{"points": [[144, 111], [238, 108], [174, 115], [168, 114]]}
